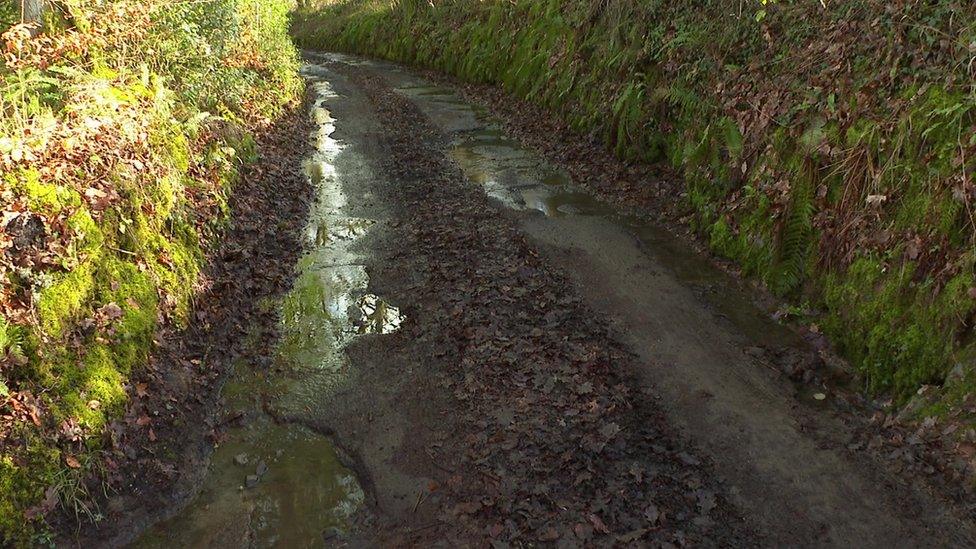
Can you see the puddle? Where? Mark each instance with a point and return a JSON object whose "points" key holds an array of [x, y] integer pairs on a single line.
{"points": [[520, 179], [268, 485], [372, 315], [282, 485]]}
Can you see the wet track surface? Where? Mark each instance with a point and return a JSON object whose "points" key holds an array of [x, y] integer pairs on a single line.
{"points": [[477, 350]]}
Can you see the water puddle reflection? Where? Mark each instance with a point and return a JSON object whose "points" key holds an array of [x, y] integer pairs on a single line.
{"points": [[519, 179], [269, 485], [282, 485], [372, 315]]}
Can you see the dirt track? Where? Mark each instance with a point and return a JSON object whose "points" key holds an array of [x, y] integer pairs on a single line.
{"points": [[502, 407], [534, 392], [547, 369]]}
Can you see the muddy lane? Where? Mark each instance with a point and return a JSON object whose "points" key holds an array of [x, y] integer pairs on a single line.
{"points": [[667, 338], [500, 409], [271, 483], [476, 351]]}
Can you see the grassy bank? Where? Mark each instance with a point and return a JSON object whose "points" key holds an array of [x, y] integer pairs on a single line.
{"points": [[124, 125], [826, 147]]}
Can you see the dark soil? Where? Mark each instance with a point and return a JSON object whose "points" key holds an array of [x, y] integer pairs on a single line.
{"points": [[518, 401], [158, 451]]}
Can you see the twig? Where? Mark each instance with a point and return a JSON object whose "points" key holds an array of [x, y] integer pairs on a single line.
{"points": [[421, 528], [420, 498], [120, 250]]}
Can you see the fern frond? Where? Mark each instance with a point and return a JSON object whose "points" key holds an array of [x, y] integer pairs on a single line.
{"points": [[796, 236]]}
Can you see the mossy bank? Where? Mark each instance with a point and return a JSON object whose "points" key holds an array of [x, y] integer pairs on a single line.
{"points": [[826, 147], [124, 127]]}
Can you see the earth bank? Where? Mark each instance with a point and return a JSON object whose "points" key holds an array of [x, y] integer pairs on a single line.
{"points": [[125, 127]]}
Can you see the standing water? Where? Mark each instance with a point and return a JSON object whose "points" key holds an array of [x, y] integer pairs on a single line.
{"points": [[281, 484]]}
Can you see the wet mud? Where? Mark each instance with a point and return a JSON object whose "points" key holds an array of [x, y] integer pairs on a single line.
{"points": [[273, 483], [743, 386], [477, 350]]}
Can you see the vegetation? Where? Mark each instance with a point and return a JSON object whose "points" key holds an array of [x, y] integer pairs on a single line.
{"points": [[825, 146], [122, 127]]}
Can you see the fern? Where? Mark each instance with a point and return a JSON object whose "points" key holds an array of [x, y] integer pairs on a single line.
{"points": [[11, 343], [796, 236]]}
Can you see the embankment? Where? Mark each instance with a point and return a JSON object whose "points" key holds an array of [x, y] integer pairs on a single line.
{"points": [[124, 126]]}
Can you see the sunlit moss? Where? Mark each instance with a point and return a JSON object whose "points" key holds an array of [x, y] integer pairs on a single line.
{"points": [[22, 484], [42, 197], [64, 301], [146, 244]]}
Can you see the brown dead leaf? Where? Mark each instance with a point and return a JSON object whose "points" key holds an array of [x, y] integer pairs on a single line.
{"points": [[598, 523]]}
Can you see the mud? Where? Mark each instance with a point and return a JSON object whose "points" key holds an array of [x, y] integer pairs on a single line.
{"points": [[719, 364], [477, 349], [494, 413]]}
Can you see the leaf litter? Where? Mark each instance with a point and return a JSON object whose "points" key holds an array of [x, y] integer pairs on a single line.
{"points": [[540, 437]]}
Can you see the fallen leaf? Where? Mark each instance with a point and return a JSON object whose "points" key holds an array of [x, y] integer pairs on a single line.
{"points": [[609, 430], [632, 536], [92, 192], [111, 311], [598, 523]]}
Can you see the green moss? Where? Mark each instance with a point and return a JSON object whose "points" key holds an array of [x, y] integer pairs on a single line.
{"points": [[42, 197], [63, 301], [146, 244], [22, 484], [89, 386], [88, 236], [898, 337], [176, 147]]}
